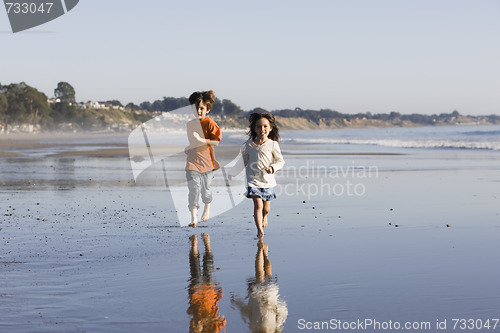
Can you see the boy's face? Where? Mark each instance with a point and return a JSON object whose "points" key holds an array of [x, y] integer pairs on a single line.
{"points": [[201, 110]]}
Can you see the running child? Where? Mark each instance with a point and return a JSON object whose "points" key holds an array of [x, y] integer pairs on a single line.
{"points": [[261, 157], [203, 133]]}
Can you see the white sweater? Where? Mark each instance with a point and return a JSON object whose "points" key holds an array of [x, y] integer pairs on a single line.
{"points": [[256, 158]]}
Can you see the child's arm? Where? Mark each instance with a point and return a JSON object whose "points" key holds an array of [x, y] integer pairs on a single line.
{"points": [[241, 305], [278, 159], [205, 141], [214, 135], [238, 167]]}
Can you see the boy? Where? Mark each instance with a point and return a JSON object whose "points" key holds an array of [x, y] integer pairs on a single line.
{"points": [[203, 133]]}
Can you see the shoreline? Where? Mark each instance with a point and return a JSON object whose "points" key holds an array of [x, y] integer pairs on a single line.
{"points": [[294, 143], [286, 124]]}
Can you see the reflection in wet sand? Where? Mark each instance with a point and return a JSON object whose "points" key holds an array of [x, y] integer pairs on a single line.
{"points": [[262, 309], [204, 292]]}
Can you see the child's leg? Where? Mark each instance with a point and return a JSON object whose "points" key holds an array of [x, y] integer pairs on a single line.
{"points": [[206, 213], [257, 215], [206, 241], [194, 217], [208, 260], [194, 244], [194, 186], [194, 261], [259, 263], [265, 210], [268, 271], [206, 194]]}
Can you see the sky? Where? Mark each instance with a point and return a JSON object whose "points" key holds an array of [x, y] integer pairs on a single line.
{"points": [[379, 56]]}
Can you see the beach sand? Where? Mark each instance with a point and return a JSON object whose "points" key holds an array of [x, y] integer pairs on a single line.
{"points": [[357, 232]]}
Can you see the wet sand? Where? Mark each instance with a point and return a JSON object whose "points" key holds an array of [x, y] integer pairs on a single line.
{"points": [[85, 248]]}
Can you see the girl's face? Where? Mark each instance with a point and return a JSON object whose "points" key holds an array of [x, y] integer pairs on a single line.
{"points": [[201, 110], [262, 128]]}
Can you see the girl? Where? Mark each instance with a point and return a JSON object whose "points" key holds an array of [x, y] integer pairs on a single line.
{"points": [[261, 156], [263, 309]]}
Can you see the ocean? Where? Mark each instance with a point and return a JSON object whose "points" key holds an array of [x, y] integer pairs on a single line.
{"points": [[446, 137], [396, 225]]}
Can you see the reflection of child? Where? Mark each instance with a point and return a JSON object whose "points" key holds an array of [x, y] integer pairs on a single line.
{"points": [[203, 291], [203, 133], [264, 311], [261, 156]]}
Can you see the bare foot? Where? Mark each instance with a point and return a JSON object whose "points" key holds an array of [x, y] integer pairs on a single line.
{"points": [[194, 244], [206, 213], [265, 248], [264, 222], [206, 237], [206, 241], [260, 234], [194, 219]]}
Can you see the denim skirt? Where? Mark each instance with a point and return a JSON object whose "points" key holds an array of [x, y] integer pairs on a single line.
{"points": [[265, 194]]}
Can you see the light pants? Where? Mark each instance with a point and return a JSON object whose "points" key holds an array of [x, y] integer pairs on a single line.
{"points": [[199, 183]]}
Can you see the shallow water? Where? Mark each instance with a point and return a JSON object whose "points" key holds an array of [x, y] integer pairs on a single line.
{"points": [[87, 249]]}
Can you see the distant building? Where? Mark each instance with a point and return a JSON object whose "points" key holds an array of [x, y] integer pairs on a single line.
{"points": [[93, 105], [53, 100]]}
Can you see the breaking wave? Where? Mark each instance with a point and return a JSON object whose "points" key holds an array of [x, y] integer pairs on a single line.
{"points": [[404, 143]]}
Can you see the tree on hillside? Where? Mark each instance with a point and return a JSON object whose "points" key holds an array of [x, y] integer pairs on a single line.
{"points": [[146, 106], [394, 115], [217, 107], [113, 102], [285, 113], [65, 93], [25, 104], [258, 110], [64, 110], [166, 104], [132, 106], [330, 114], [4, 105], [172, 103], [36, 104], [15, 108], [157, 105], [230, 109]]}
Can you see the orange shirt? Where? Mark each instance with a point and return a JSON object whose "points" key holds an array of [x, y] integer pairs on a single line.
{"points": [[200, 156], [203, 307]]}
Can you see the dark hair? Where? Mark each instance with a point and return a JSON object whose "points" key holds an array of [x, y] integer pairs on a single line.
{"points": [[207, 97], [275, 132]]}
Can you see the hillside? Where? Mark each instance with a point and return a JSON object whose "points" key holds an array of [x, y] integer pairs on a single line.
{"points": [[25, 109]]}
